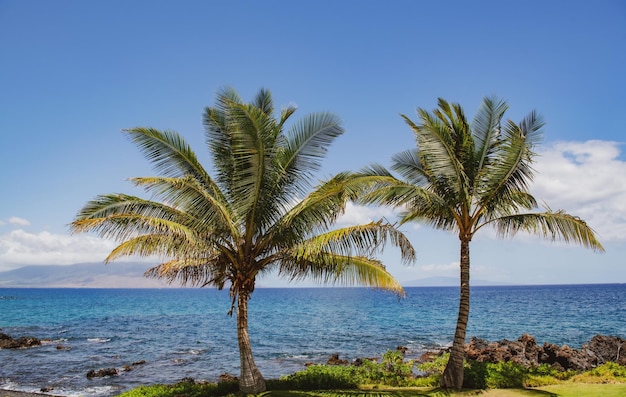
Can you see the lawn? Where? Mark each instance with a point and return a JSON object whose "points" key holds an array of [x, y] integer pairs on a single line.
{"points": [[562, 390]]}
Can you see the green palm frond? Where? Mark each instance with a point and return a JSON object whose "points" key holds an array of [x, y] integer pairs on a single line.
{"points": [[187, 195], [321, 207], [209, 270], [433, 141], [253, 146], [169, 153], [409, 166], [285, 113], [508, 172], [120, 205], [385, 189], [306, 146], [263, 101], [361, 240], [486, 129], [555, 226], [329, 268], [161, 245]]}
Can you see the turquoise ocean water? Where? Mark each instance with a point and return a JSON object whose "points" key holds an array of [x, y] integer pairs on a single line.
{"points": [[187, 333]]}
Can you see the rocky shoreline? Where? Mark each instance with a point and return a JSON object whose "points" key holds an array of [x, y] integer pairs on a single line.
{"points": [[11, 393], [525, 351]]}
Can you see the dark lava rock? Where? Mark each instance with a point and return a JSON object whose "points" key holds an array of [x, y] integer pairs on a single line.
{"points": [[7, 342], [335, 360], [607, 348], [227, 378], [101, 373], [526, 352]]}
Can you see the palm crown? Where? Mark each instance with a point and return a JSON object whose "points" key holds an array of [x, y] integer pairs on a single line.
{"points": [[259, 213], [462, 177]]}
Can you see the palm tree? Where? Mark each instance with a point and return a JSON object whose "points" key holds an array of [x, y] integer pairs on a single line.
{"points": [[464, 177], [252, 218]]}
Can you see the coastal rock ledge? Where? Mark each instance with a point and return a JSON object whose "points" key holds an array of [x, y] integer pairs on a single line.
{"points": [[8, 342], [525, 351]]}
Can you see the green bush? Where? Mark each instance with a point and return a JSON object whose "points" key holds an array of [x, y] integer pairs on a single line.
{"points": [[475, 375], [187, 389], [435, 366], [606, 373], [393, 371], [318, 377], [505, 375]]}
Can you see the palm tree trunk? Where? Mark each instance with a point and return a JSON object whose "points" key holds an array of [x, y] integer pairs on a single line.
{"points": [[250, 381], [452, 377]]}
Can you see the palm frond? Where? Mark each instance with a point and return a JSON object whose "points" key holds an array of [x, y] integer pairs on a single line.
{"points": [[328, 268], [121, 217], [437, 154], [263, 101], [508, 173], [162, 245], [187, 195], [531, 126], [361, 240], [169, 153], [555, 226], [285, 113], [486, 128], [409, 166], [209, 270], [307, 143]]}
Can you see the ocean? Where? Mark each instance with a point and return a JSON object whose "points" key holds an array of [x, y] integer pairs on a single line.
{"points": [[179, 333]]}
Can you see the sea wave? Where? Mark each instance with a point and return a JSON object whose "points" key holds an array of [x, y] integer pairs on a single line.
{"points": [[98, 340]]}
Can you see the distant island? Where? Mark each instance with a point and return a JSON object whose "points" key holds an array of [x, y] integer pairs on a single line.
{"points": [[130, 275]]}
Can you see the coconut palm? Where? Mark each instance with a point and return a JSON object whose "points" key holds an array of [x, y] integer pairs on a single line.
{"points": [[258, 213], [464, 177]]}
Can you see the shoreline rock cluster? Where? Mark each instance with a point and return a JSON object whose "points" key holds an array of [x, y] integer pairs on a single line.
{"points": [[525, 351], [8, 342]]}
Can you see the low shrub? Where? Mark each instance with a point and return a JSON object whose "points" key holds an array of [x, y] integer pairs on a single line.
{"points": [[317, 377], [431, 371], [392, 371], [187, 389], [505, 375], [606, 373], [475, 374]]}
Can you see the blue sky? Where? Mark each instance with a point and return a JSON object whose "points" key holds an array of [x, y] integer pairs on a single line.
{"points": [[73, 74]]}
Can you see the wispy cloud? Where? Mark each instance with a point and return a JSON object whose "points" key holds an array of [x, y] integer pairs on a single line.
{"points": [[359, 215], [441, 269], [586, 179], [18, 221], [19, 248]]}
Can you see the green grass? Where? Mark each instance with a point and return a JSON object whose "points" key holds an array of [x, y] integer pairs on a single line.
{"points": [[562, 390], [566, 389], [392, 378]]}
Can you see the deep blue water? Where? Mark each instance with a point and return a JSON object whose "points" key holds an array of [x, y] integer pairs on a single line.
{"points": [[187, 333]]}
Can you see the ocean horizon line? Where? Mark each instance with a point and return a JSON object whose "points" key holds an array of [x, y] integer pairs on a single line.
{"points": [[498, 285]]}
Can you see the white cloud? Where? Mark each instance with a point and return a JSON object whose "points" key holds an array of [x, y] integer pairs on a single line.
{"points": [[586, 179], [441, 269], [359, 215], [19, 248], [14, 220]]}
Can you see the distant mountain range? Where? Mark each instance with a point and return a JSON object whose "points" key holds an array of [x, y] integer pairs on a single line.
{"points": [[130, 275], [83, 275], [446, 282]]}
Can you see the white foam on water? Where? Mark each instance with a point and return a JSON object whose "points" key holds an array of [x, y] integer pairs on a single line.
{"points": [[98, 340]]}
